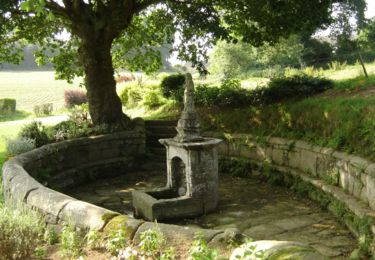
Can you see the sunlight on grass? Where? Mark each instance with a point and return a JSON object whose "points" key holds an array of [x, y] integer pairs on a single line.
{"points": [[34, 88]]}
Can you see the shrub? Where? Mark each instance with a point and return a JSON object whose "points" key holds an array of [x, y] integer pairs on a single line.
{"points": [[19, 145], [36, 131], [296, 86], [131, 95], [74, 97], [80, 115], [71, 243], [152, 242], [20, 233], [200, 250], [7, 106], [153, 99], [43, 110], [124, 78], [172, 86], [116, 241]]}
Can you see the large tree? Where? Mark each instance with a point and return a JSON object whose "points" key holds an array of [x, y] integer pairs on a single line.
{"points": [[105, 34]]}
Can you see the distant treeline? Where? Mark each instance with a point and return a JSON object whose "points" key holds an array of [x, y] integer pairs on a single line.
{"points": [[28, 63]]}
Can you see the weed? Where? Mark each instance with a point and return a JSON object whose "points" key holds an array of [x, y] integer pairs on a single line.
{"points": [[20, 232], [19, 145], [200, 250], [116, 241], [152, 242], [93, 239], [70, 242], [40, 252], [50, 236]]}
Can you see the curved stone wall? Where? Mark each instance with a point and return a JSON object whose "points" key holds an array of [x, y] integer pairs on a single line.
{"points": [[33, 178], [37, 179], [346, 178]]}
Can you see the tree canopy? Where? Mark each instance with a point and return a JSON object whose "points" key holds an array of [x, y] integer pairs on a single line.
{"points": [[109, 34]]}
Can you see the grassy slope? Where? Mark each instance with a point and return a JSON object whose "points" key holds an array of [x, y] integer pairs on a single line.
{"points": [[33, 88]]}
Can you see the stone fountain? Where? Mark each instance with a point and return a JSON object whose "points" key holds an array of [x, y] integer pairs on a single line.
{"points": [[192, 171]]}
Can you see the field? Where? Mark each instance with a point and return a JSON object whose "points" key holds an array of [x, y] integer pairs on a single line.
{"points": [[34, 88]]}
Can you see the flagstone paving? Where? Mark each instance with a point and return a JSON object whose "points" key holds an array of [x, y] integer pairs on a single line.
{"points": [[259, 210]]}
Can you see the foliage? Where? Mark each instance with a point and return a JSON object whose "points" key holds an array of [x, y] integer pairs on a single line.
{"points": [[50, 236], [17, 115], [316, 52], [200, 250], [341, 123], [279, 89], [43, 110], [7, 106], [357, 83], [19, 145], [71, 243], [35, 131], [237, 60], [172, 86], [93, 238], [74, 97], [297, 86], [20, 232], [116, 241], [152, 242], [337, 65], [131, 94]]}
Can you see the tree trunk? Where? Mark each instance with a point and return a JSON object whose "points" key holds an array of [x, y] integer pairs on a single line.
{"points": [[104, 104]]}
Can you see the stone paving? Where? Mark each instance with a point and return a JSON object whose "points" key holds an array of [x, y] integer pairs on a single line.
{"points": [[259, 210]]}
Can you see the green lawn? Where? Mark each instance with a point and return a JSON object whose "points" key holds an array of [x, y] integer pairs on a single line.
{"points": [[34, 88]]}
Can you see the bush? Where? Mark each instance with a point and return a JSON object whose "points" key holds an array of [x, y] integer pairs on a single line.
{"points": [[153, 99], [172, 86], [74, 97], [43, 110], [294, 87], [19, 145], [20, 233], [7, 106], [131, 95], [35, 131], [71, 242]]}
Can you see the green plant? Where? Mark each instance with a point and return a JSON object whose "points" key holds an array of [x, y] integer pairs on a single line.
{"points": [[131, 95], [153, 99], [36, 131], [249, 251], [71, 243], [20, 232], [337, 65], [50, 236], [93, 239], [168, 254], [116, 241], [7, 106], [172, 86], [19, 145], [152, 242], [43, 110], [200, 250], [40, 252]]}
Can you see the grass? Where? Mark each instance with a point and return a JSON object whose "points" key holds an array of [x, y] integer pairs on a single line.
{"points": [[34, 88], [18, 115]]}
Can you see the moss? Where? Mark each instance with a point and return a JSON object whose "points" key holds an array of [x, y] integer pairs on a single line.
{"points": [[108, 216]]}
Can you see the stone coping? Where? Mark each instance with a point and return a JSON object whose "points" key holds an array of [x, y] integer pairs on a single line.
{"points": [[21, 187], [347, 178]]}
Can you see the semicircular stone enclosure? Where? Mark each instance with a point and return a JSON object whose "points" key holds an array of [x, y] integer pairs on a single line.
{"points": [[90, 180]]}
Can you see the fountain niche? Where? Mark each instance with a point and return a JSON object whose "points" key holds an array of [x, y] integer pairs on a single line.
{"points": [[192, 171]]}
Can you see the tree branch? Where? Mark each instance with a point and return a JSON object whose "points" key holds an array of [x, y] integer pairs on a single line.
{"points": [[57, 9]]}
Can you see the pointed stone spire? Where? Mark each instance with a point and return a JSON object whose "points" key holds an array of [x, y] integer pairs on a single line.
{"points": [[188, 128]]}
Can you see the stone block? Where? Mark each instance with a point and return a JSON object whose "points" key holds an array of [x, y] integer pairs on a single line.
{"points": [[370, 191], [294, 159], [176, 235], [280, 156], [85, 215], [308, 161], [20, 187], [48, 201]]}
